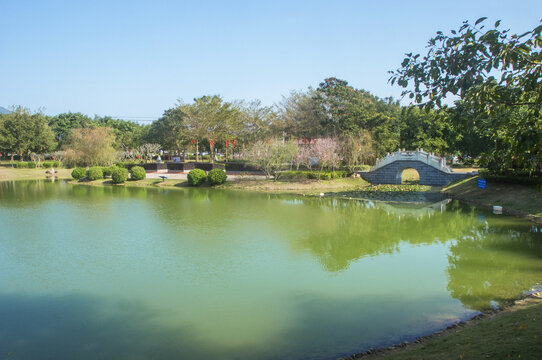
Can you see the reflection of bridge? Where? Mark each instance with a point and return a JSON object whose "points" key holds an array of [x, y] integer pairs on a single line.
{"points": [[415, 210], [431, 168]]}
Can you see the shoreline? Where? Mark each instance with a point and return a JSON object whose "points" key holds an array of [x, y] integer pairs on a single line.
{"points": [[532, 299], [345, 188]]}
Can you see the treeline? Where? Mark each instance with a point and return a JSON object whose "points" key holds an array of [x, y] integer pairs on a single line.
{"points": [[354, 118], [210, 124]]}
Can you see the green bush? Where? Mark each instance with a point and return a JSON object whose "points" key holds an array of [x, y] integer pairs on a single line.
{"points": [[119, 175], [339, 174], [216, 177], [108, 170], [31, 165], [121, 164], [51, 164], [324, 175], [95, 173], [304, 175], [21, 165], [196, 177], [511, 177], [79, 173], [137, 173]]}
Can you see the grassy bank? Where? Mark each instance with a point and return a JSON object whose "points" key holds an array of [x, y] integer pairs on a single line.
{"points": [[518, 200], [514, 333], [9, 173]]}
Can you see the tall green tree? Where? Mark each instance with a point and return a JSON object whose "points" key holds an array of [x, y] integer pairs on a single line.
{"points": [[496, 75], [299, 116], [62, 124], [427, 129], [170, 131], [23, 133], [128, 134], [348, 110], [211, 119]]}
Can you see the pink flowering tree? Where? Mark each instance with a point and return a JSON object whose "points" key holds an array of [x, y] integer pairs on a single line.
{"points": [[327, 153]]}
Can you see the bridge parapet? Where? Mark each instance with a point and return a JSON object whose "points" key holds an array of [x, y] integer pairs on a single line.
{"points": [[419, 155]]}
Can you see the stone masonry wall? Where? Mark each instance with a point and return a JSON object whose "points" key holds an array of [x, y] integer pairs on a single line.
{"points": [[391, 174]]}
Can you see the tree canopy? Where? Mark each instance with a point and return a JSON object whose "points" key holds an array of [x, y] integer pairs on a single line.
{"points": [[22, 132], [495, 75]]}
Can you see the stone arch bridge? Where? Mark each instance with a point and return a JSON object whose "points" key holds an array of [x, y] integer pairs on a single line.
{"points": [[431, 168]]}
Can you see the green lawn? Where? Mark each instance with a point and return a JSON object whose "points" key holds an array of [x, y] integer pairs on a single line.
{"points": [[514, 198], [515, 333]]}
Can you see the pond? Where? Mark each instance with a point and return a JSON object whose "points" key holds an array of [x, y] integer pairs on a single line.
{"points": [[136, 273]]}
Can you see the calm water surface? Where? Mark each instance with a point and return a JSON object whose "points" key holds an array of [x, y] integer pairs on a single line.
{"points": [[120, 273]]}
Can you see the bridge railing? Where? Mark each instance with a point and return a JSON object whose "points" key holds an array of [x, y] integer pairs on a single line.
{"points": [[418, 155]]}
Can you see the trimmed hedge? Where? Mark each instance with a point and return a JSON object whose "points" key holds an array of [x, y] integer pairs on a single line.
{"points": [[196, 177], [79, 173], [21, 164], [137, 173], [108, 170], [51, 164], [95, 173], [305, 175], [119, 175], [31, 165], [216, 177]]}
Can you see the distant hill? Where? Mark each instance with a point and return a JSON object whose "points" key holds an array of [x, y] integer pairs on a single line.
{"points": [[4, 110]]}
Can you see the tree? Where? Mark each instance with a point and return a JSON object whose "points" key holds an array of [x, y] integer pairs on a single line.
{"points": [[326, 150], [23, 133], [298, 116], [62, 124], [256, 120], [496, 75], [128, 134], [427, 129], [212, 119], [148, 150], [346, 110], [90, 147], [170, 131], [358, 150], [272, 154]]}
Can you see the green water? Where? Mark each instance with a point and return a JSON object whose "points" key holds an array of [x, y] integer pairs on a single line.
{"points": [[120, 273]]}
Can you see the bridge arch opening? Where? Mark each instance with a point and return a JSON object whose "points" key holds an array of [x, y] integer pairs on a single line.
{"points": [[408, 176]]}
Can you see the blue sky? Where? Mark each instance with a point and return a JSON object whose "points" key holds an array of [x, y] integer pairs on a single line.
{"points": [[136, 58]]}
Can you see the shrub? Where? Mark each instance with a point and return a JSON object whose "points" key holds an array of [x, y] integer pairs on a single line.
{"points": [[21, 165], [512, 177], [137, 173], [216, 177], [312, 175], [324, 176], [120, 164], [95, 173], [339, 174], [79, 173], [119, 175], [108, 170], [31, 165], [196, 177], [51, 164]]}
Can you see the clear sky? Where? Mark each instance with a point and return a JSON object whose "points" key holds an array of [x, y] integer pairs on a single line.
{"points": [[136, 58]]}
